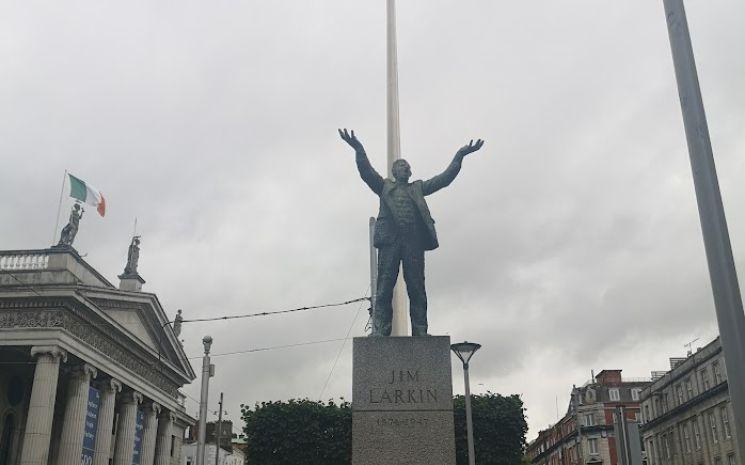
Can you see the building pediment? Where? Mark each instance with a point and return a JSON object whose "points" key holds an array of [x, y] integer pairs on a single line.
{"points": [[140, 316], [56, 290]]}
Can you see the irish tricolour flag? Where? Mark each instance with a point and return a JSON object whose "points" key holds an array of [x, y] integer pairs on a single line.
{"points": [[84, 192]]}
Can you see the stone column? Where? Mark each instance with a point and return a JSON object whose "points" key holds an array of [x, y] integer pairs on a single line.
{"points": [[73, 427], [150, 433], [125, 432], [41, 406], [106, 421], [165, 431]]}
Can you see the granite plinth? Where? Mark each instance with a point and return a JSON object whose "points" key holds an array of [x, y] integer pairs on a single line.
{"points": [[402, 401]]}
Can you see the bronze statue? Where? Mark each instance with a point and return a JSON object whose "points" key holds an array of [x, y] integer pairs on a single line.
{"points": [[71, 228], [404, 230], [133, 257]]}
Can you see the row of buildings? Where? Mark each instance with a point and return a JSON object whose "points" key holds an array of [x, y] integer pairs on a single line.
{"points": [[678, 417]]}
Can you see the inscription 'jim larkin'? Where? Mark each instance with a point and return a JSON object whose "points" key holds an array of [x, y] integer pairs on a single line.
{"points": [[389, 395]]}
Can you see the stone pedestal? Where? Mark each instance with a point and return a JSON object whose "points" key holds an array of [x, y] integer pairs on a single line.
{"points": [[402, 401]]}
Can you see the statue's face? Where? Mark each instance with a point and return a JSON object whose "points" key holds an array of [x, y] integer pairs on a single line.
{"points": [[76, 207], [401, 170]]}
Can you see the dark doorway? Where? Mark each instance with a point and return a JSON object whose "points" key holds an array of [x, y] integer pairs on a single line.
{"points": [[6, 441]]}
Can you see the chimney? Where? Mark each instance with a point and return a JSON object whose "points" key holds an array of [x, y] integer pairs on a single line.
{"points": [[609, 377]]}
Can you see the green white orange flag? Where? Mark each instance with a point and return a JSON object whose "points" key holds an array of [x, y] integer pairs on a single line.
{"points": [[84, 192]]}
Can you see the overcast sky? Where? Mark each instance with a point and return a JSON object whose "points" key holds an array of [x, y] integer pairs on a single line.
{"points": [[570, 242]]}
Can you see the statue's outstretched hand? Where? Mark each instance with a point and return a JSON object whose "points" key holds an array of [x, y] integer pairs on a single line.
{"points": [[351, 139], [470, 148]]}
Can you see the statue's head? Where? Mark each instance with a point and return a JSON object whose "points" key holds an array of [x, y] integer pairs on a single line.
{"points": [[401, 170], [76, 206]]}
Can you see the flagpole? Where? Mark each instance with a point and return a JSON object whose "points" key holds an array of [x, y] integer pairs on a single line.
{"points": [[59, 206]]}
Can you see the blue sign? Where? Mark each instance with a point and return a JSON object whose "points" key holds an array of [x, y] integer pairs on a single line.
{"points": [[139, 428], [91, 426]]}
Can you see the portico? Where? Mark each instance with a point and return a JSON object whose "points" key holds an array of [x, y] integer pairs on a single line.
{"points": [[89, 372]]}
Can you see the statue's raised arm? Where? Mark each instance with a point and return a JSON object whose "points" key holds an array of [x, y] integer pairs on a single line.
{"points": [[371, 177], [444, 179]]}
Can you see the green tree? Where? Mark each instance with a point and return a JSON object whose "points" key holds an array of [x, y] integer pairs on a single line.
{"points": [[499, 429], [315, 433], [298, 432]]}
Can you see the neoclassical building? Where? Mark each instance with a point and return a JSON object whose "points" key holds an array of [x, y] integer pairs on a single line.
{"points": [[89, 372]]}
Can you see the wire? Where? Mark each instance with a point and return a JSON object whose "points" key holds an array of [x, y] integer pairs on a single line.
{"points": [[264, 349], [253, 315], [338, 354]]}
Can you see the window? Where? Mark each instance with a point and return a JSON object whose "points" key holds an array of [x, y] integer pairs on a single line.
{"points": [[717, 461], [717, 372], [651, 453], [614, 394], [665, 402], [731, 459], [686, 438], [590, 420], [657, 407], [666, 441], [705, 378], [173, 444], [696, 434], [635, 394], [713, 426], [724, 413], [689, 388], [646, 413], [679, 391], [593, 443]]}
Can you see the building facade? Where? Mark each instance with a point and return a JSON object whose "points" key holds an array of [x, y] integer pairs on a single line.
{"points": [[600, 426], [89, 372], [687, 414]]}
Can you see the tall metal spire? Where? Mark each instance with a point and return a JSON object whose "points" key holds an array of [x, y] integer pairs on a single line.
{"points": [[400, 324]]}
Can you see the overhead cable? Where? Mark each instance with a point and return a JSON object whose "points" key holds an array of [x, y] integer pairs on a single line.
{"points": [[253, 315]]}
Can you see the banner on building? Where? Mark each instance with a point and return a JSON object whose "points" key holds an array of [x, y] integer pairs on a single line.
{"points": [[91, 426], [139, 428]]}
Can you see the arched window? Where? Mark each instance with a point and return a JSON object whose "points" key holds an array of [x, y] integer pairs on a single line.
{"points": [[6, 440]]}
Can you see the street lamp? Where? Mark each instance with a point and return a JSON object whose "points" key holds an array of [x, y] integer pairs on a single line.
{"points": [[207, 371], [464, 351]]}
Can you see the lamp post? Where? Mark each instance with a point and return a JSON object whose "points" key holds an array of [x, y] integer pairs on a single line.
{"points": [[464, 351], [207, 372]]}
